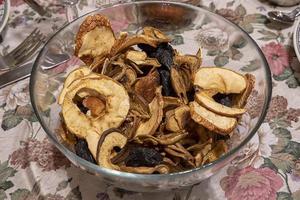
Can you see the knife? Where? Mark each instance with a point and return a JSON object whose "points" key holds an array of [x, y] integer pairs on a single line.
{"points": [[15, 74], [24, 71]]}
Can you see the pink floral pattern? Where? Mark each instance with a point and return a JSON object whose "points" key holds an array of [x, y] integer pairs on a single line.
{"points": [[277, 57], [251, 184], [43, 153]]}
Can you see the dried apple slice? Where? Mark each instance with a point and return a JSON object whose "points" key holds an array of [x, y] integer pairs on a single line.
{"points": [[95, 38], [240, 100], [73, 76], [150, 36], [116, 106], [156, 110], [203, 99], [102, 146], [212, 121], [220, 79]]}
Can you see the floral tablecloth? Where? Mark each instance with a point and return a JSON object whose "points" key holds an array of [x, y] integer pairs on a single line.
{"points": [[32, 168]]}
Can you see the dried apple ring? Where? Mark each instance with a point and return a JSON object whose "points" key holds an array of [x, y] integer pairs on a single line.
{"points": [[73, 76], [116, 105]]}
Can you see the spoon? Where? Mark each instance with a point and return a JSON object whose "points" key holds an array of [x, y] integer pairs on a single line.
{"points": [[283, 17]]}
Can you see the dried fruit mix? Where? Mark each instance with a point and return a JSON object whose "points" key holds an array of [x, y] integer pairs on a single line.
{"points": [[140, 106]]}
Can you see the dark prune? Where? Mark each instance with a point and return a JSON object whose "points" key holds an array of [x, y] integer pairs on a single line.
{"points": [[217, 137], [147, 48], [142, 156], [165, 79], [223, 99], [191, 94], [164, 54], [82, 150]]}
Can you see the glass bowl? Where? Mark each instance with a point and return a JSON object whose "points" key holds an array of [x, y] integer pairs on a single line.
{"points": [[223, 44]]}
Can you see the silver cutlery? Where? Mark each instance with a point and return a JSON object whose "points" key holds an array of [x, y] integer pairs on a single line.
{"points": [[284, 17], [36, 7], [24, 71], [23, 52], [15, 75]]}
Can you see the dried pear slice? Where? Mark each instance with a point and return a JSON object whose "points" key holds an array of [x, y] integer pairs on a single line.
{"points": [[73, 76], [240, 100], [156, 110], [135, 55], [140, 58], [203, 99], [155, 33], [192, 61], [148, 62], [95, 38], [178, 85], [116, 106], [171, 102], [171, 122], [150, 36], [146, 85], [177, 119], [220, 79], [131, 41], [167, 139], [182, 116], [213, 122], [102, 147], [161, 169]]}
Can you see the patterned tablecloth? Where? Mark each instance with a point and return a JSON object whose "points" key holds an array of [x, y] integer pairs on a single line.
{"points": [[32, 168]]}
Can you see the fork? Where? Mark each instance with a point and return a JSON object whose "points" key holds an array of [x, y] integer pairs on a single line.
{"points": [[23, 51]]}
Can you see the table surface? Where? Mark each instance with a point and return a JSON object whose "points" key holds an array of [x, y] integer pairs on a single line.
{"points": [[32, 168]]}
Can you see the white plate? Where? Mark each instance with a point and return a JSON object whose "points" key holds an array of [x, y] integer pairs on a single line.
{"points": [[4, 13]]}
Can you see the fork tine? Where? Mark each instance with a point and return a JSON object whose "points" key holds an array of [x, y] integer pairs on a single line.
{"points": [[24, 43], [24, 50], [28, 46], [29, 53]]}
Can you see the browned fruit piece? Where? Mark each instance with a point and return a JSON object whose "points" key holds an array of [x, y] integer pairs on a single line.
{"points": [[95, 38], [147, 85], [156, 110], [177, 119], [178, 84], [95, 105]]}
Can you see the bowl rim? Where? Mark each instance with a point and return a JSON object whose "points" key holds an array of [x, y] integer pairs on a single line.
{"points": [[150, 177]]}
